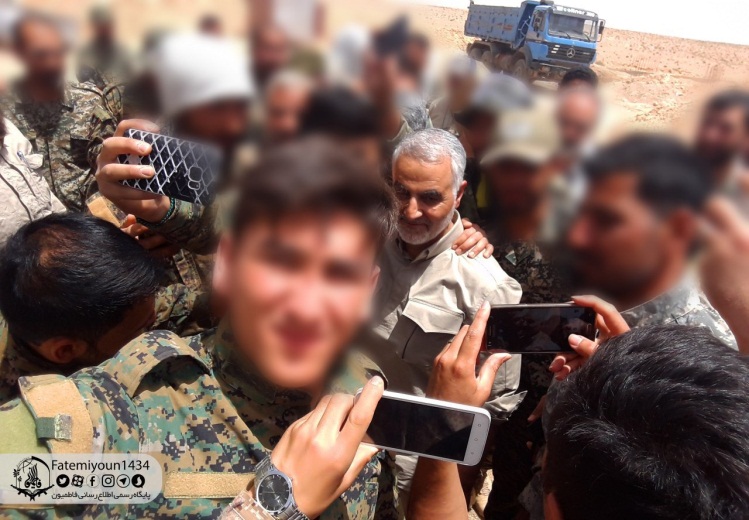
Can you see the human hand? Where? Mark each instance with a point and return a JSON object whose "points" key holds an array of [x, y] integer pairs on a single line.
{"points": [[724, 265], [148, 206], [473, 240], [609, 324], [154, 243], [454, 374], [321, 452]]}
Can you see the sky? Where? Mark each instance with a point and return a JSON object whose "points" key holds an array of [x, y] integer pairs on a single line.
{"points": [[710, 20]]}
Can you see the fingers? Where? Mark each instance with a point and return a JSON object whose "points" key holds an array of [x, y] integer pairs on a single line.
{"points": [[582, 345], [363, 455], [335, 414], [464, 243], [317, 413], [115, 146], [489, 371], [614, 321], [361, 413], [723, 215], [488, 250], [136, 124], [561, 360], [471, 344], [152, 242], [538, 410]]}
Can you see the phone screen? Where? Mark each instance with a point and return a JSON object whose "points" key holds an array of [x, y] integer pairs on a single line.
{"points": [[421, 428], [542, 329]]}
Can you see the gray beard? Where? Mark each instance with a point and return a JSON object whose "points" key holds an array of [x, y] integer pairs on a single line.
{"points": [[417, 239]]}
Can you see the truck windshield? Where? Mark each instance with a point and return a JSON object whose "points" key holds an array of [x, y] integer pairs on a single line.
{"points": [[573, 27]]}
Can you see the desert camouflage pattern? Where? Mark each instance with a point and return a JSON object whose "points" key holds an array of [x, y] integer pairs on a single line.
{"points": [[195, 406], [68, 134], [685, 304]]}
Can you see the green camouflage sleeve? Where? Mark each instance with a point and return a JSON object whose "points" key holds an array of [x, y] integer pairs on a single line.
{"points": [[193, 227], [387, 497], [183, 310], [103, 125]]}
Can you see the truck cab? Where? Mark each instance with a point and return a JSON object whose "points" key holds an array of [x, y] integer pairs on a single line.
{"points": [[538, 40]]}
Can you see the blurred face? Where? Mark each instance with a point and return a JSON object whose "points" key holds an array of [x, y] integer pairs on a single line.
{"points": [[103, 31], [223, 123], [415, 56], [479, 133], [426, 198], [43, 52], [517, 187], [271, 51], [297, 291], [284, 108], [366, 149], [577, 117], [619, 243], [721, 135]]}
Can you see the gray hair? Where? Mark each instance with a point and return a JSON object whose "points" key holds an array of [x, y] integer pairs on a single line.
{"points": [[431, 146], [288, 78]]}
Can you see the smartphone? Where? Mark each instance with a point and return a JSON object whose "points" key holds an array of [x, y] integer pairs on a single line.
{"points": [[184, 170], [429, 428], [538, 329]]}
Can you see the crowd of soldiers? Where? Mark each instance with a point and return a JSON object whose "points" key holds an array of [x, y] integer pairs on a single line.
{"points": [[371, 208]]}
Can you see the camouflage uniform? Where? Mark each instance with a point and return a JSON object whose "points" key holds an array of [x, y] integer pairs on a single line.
{"points": [[682, 305], [178, 309], [685, 304], [63, 133], [200, 410]]}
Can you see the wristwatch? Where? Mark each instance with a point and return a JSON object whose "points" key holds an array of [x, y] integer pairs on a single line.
{"points": [[274, 492]]}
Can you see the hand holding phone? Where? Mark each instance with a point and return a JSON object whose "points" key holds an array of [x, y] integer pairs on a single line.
{"points": [[182, 169]]}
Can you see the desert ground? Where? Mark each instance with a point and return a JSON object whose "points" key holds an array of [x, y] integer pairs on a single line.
{"points": [[655, 81]]}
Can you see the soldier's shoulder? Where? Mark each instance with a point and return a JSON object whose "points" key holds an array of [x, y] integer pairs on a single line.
{"points": [[84, 90], [156, 354], [355, 370]]}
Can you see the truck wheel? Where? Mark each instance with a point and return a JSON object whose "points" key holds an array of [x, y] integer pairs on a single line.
{"points": [[521, 70], [488, 59], [476, 53], [504, 63]]}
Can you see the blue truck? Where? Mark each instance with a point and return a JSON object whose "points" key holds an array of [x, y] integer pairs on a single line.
{"points": [[538, 40]]}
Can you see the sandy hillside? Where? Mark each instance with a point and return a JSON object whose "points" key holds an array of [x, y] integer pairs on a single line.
{"points": [[657, 80]]}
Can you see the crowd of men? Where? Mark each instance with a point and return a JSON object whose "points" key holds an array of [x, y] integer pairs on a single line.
{"points": [[370, 211]]}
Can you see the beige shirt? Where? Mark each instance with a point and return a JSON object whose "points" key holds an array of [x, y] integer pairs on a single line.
{"points": [[421, 305]]}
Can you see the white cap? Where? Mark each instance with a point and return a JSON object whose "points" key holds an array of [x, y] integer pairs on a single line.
{"points": [[195, 69]]}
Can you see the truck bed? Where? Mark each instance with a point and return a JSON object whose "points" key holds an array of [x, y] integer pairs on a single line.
{"points": [[493, 23]]}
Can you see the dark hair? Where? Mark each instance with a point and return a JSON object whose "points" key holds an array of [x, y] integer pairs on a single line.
{"points": [[340, 112], [579, 74], [670, 175], [71, 275], [315, 175], [31, 17], [654, 426], [729, 100]]}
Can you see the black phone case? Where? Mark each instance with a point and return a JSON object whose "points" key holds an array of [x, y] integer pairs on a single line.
{"points": [[184, 170]]}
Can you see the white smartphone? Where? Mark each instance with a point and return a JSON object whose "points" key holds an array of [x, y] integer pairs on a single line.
{"points": [[430, 428]]}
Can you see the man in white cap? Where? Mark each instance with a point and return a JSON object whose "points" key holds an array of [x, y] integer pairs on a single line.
{"points": [[204, 95]]}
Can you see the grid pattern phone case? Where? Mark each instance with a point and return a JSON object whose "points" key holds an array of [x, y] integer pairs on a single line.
{"points": [[184, 170]]}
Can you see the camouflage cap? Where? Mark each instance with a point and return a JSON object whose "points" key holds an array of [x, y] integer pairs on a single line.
{"points": [[525, 134]]}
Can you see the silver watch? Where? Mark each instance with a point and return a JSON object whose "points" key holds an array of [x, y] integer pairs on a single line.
{"points": [[274, 492]]}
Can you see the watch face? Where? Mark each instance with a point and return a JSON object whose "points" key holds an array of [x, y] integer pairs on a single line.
{"points": [[273, 493]]}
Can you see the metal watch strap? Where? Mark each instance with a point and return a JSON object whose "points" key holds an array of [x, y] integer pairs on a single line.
{"points": [[293, 513]]}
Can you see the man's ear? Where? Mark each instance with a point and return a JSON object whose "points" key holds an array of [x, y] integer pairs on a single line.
{"points": [[62, 351], [221, 262], [683, 223], [461, 191], [551, 507]]}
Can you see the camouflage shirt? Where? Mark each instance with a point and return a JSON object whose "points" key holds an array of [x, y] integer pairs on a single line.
{"points": [[685, 304], [63, 133], [178, 308], [198, 409]]}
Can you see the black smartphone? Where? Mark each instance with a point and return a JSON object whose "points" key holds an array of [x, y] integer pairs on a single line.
{"points": [[538, 329], [184, 170]]}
